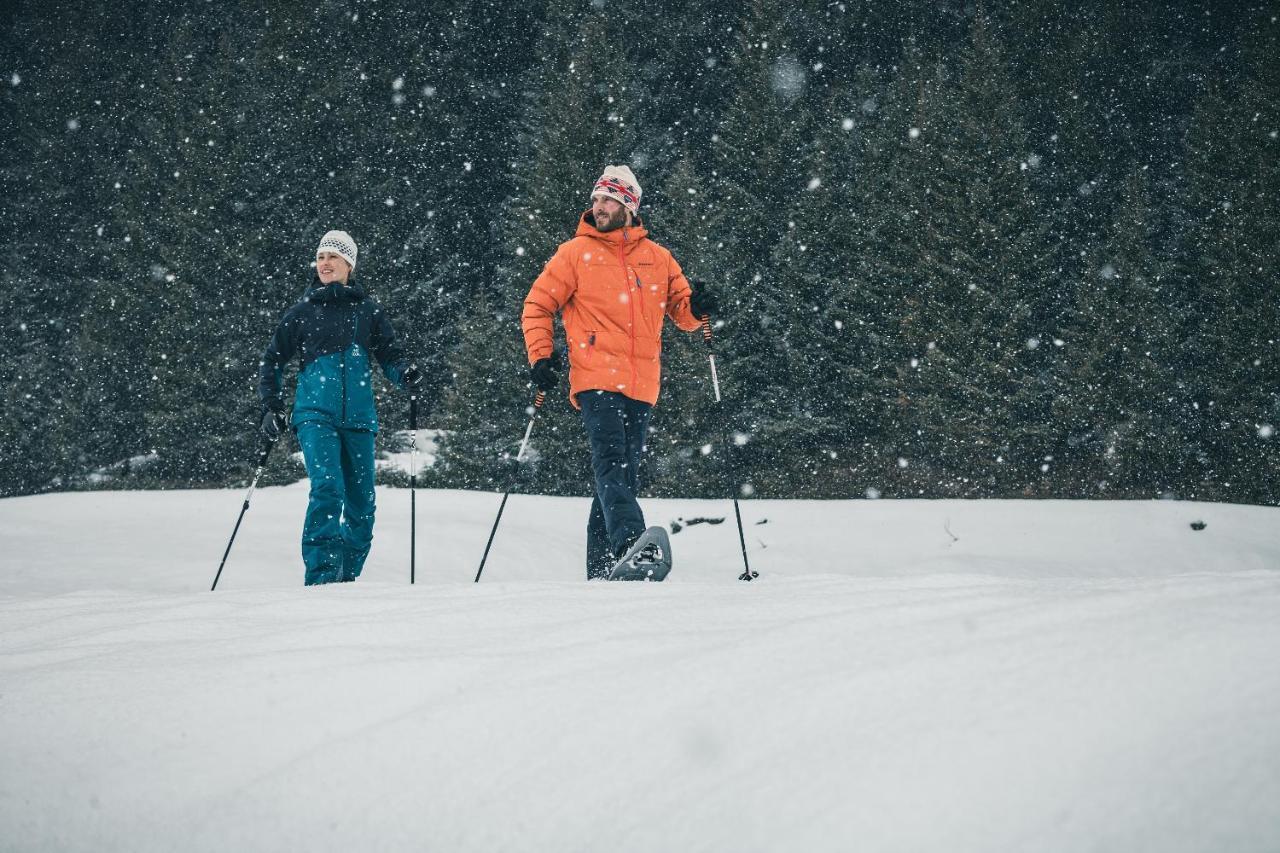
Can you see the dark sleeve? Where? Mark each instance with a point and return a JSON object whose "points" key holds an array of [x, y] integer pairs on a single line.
{"points": [[284, 343], [386, 350]]}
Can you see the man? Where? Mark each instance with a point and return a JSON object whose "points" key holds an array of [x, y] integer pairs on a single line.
{"points": [[612, 286], [334, 330]]}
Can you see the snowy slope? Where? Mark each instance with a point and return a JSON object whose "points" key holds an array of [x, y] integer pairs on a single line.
{"points": [[928, 675]]}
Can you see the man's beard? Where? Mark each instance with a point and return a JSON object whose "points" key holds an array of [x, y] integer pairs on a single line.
{"points": [[613, 224]]}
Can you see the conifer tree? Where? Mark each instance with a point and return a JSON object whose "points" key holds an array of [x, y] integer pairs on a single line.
{"points": [[757, 168], [819, 335], [1229, 310], [1119, 345], [976, 392]]}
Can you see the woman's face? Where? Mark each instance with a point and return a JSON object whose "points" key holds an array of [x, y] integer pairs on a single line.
{"points": [[330, 267]]}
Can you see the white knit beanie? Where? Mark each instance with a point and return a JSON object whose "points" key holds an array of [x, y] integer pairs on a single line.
{"points": [[340, 243], [619, 184]]}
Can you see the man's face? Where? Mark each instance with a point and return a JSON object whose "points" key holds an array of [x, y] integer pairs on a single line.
{"points": [[609, 213], [331, 267]]}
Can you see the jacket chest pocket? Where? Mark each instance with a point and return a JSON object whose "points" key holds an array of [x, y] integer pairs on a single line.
{"points": [[649, 288]]}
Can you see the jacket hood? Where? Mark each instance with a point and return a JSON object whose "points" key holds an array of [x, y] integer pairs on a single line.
{"points": [[629, 234]]}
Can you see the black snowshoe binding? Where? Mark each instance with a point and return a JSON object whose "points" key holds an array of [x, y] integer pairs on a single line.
{"points": [[648, 559]]}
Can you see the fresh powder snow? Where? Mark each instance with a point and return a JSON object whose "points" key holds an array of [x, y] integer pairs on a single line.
{"points": [[902, 676]]}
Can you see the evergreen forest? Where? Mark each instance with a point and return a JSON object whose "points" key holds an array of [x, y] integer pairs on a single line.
{"points": [[961, 248]]}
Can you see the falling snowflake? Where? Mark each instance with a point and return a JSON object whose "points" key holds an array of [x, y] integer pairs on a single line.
{"points": [[814, 183], [1266, 431], [914, 133], [847, 124], [788, 78]]}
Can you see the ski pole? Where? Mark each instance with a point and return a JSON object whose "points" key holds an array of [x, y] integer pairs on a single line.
{"points": [[263, 453], [538, 400], [413, 484], [747, 574]]}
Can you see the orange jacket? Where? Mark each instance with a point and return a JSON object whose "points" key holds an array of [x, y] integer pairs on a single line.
{"points": [[612, 291]]}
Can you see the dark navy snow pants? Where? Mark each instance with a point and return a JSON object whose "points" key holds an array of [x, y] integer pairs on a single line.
{"points": [[616, 428], [339, 524]]}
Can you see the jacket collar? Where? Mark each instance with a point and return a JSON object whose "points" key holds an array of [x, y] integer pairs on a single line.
{"points": [[320, 292], [620, 236]]}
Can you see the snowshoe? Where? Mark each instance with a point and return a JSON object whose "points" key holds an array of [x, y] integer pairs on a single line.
{"points": [[648, 559]]}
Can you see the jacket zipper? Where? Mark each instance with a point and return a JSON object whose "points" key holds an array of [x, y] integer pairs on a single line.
{"points": [[345, 350], [631, 301]]}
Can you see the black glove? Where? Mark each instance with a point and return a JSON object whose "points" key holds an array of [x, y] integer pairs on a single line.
{"points": [[273, 423], [412, 378], [703, 303], [544, 373]]}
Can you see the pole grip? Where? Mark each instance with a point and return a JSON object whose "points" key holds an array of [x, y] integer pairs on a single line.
{"points": [[264, 450], [538, 400]]}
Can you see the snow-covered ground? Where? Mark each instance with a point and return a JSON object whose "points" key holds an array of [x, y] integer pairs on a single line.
{"points": [[904, 675]]}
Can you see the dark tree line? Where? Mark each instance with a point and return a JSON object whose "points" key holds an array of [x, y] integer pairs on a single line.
{"points": [[993, 249]]}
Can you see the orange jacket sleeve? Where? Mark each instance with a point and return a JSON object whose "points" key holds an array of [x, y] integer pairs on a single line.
{"points": [[678, 293], [550, 291]]}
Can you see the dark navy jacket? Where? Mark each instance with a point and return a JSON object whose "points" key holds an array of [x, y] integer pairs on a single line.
{"points": [[334, 330]]}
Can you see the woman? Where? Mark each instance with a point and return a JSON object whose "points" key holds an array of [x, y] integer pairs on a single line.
{"points": [[334, 330]]}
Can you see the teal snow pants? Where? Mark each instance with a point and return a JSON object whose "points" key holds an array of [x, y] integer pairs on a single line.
{"points": [[338, 528]]}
